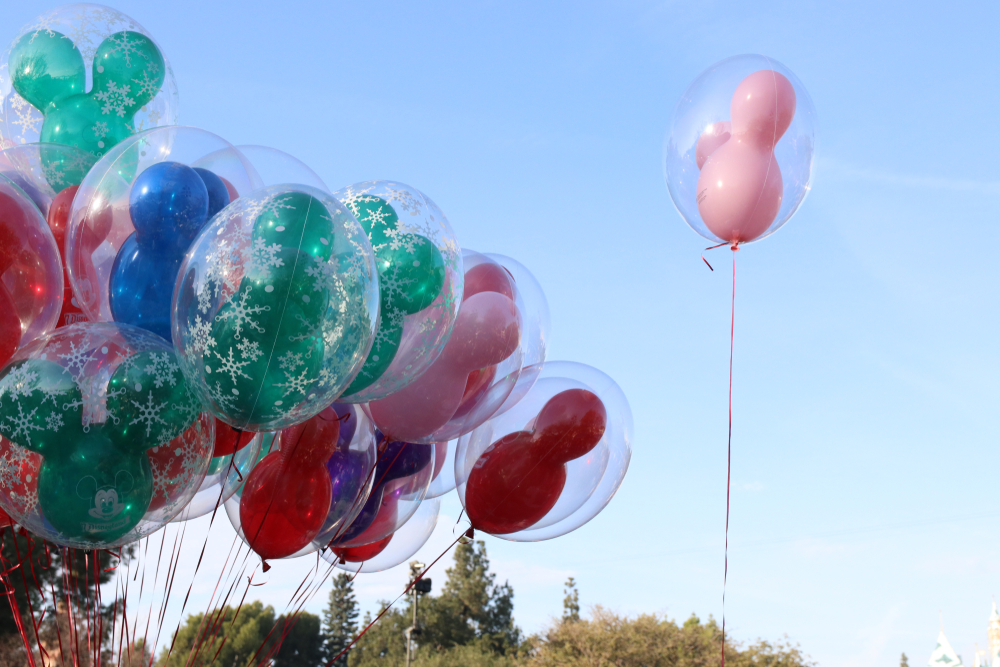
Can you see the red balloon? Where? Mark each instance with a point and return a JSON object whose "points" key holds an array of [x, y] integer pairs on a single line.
{"points": [[518, 479], [11, 217], [228, 440], [58, 219], [488, 277], [287, 495], [364, 552]]}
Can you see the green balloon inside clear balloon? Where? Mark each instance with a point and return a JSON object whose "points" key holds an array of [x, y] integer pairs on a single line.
{"points": [[95, 482], [48, 71]]}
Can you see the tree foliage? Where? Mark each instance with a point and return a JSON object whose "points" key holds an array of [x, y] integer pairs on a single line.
{"points": [[224, 637], [340, 620], [606, 639], [571, 603]]}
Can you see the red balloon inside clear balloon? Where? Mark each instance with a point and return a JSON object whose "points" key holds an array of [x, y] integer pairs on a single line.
{"points": [[364, 552], [229, 440], [287, 495], [518, 479], [58, 220], [10, 323]]}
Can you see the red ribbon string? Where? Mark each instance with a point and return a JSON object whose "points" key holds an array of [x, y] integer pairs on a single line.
{"points": [[729, 453]]}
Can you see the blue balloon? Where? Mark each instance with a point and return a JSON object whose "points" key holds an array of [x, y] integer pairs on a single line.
{"points": [[169, 204], [218, 193]]}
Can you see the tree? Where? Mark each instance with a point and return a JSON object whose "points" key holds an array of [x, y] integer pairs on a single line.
{"points": [[384, 644], [301, 644], [904, 661], [652, 641], [225, 637], [571, 603], [471, 607], [340, 620]]}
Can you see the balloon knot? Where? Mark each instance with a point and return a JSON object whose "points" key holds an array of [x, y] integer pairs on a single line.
{"points": [[266, 566], [471, 533]]}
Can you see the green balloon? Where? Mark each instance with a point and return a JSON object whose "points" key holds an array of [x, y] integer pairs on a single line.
{"points": [[48, 71], [268, 345], [95, 482], [411, 273]]}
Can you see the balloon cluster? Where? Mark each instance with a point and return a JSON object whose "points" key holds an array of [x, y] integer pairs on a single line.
{"points": [[186, 324]]}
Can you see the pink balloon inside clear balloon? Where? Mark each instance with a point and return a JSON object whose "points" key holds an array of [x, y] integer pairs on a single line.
{"points": [[740, 188], [714, 136], [486, 333]]}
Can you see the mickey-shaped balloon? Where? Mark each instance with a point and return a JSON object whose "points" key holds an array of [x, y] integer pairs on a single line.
{"points": [[48, 71], [287, 496], [518, 479], [169, 204], [95, 482], [740, 186], [486, 332]]}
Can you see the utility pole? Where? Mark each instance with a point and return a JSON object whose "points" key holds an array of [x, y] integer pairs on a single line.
{"points": [[421, 587]]}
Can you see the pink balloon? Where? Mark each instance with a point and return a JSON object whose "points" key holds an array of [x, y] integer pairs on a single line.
{"points": [[486, 332], [740, 187], [714, 136]]}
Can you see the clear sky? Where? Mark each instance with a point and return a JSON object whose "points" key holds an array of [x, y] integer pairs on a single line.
{"points": [[865, 437]]}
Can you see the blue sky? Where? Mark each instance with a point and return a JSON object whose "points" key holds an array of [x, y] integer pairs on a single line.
{"points": [[864, 447]]}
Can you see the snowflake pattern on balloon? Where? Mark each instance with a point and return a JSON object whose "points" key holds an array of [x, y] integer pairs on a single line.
{"points": [[282, 310], [420, 281], [89, 384], [86, 27]]}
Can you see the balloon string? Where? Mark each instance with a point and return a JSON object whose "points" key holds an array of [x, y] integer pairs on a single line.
{"points": [[470, 534], [729, 451]]}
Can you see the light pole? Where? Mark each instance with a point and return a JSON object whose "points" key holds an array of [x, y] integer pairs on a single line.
{"points": [[420, 587]]}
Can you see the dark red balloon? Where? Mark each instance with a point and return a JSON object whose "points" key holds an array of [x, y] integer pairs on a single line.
{"points": [[287, 495], [518, 479], [11, 217], [364, 552], [228, 440], [58, 220], [488, 277]]}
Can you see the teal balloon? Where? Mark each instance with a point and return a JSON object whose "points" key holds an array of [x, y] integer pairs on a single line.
{"points": [[48, 71], [95, 482], [411, 273]]}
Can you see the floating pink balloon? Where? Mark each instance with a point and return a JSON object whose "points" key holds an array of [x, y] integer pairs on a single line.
{"points": [[740, 187], [714, 136]]}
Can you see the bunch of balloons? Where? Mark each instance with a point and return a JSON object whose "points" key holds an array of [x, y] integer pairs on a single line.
{"points": [[186, 324]]}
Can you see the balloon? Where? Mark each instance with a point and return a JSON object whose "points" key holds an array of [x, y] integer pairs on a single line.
{"points": [[486, 333], [275, 167], [288, 494], [154, 170], [57, 218], [393, 549], [420, 284], [86, 76], [402, 475], [44, 171], [275, 307], [443, 479], [169, 204], [350, 469], [91, 401], [738, 156], [31, 275], [537, 466]]}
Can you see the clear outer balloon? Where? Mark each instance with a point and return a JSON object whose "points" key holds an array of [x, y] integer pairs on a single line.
{"points": [[275, 167], [350, 470], [103, 442], [474, 374], [443, 479], [275, 307], [402, 475], [31, 274], [733, 174], [45, 170], [89, 30], [393, 550], [420, 284], [553, 481], [224, 476], [101, 216]]}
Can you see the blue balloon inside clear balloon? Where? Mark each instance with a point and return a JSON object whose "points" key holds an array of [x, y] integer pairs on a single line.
{"points": [[169, 204]]}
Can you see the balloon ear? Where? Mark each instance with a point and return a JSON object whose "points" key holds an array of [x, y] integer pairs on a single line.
{"points": [[128, 72], [39, 406], [86, 488], [124, 481], [149, 402], [45, 67]]}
